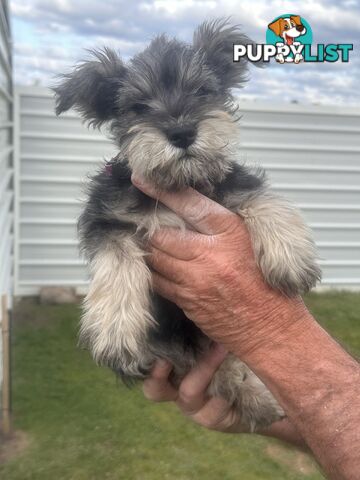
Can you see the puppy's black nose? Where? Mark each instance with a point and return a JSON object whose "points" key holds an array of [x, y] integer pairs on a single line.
{"points": [[182, 137], [299, 28]]}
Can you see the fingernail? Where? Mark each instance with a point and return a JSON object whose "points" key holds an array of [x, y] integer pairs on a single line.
{"points": [[143, 184], [137, 179]]}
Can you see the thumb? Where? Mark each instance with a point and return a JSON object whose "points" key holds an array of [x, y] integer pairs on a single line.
{"points": [[203, 214]]}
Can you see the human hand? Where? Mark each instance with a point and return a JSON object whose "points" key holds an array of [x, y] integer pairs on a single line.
{"points": [[212, 274], [213, 277], [191, 396], [213, 413]]}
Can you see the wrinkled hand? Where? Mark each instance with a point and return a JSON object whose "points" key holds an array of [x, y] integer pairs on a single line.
{"points": [[212, 275], [213, 413]]}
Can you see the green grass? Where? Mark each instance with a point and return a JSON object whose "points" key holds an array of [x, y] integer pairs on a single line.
{"points": [[82, 425]]}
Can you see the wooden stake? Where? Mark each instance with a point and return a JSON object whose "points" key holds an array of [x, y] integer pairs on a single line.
{"points": [[5, 404]]}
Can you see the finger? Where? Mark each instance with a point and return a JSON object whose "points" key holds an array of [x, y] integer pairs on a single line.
{"points": [[183, 245], [193, 388], [157, 387], [165, 287], [217, 414], [203, 214], [167, 266]]}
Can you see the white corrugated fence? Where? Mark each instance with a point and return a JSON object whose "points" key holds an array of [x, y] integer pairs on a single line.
{"points": [[312, 155], [6, 173]]}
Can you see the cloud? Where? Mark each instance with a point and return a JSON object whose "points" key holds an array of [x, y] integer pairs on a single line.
{"points": [[51, 36]]}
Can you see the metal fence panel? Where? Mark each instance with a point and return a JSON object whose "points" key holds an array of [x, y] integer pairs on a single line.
{"points": [[311, 155], [55, 156]]}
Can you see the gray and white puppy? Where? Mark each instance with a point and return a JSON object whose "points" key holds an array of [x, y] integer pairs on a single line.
{"points": [[171, 112]]}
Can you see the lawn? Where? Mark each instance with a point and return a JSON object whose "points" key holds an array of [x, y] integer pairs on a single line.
{"points": [[77, 422]]}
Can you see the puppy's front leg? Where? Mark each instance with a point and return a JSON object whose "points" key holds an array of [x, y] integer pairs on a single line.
{"points": [[282, 242], [117, 309], [280, 56]]}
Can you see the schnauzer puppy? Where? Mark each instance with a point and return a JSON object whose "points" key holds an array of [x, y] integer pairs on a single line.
{"points": [[171, 112]]}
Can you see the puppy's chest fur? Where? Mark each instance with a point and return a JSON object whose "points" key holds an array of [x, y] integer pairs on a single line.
{"points": [[116, 203]]}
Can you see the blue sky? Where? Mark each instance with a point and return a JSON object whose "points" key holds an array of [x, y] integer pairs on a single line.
{"points": [[50, 36]]}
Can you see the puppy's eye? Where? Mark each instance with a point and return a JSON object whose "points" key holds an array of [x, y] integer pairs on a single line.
{"points": [[140, 108], [286, 27]]}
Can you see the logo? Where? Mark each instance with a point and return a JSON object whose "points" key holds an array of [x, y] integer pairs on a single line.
{"points": [[294, 32], [289, 40]]}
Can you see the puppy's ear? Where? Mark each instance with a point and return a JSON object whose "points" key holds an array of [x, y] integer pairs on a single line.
{"points": [[275, 27], [216, 40], [92, 87], [296, 19]]}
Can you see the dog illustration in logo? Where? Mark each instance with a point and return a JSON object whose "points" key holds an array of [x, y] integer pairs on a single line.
{"points": [[288, 29]]}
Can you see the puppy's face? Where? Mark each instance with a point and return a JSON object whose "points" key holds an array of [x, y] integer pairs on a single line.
{"points": [[170, 108], [174, 123], [288, 28]]}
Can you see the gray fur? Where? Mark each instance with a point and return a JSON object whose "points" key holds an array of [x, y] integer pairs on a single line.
{"points": [[171, 112]]}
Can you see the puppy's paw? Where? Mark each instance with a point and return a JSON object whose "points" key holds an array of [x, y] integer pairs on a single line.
{"points": [[283, 245], [259, 410], [256, 406], [296, 272], [287, 258]]}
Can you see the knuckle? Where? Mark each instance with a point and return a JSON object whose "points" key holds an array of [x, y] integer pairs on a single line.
{"points": [[181, 277], [187, 394], [185, 297], [199, 212], [175, 294], [162, 236], [230, 275], [153, 257]]}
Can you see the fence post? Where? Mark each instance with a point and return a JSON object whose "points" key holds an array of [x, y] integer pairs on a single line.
{"points": [[5, 404]]}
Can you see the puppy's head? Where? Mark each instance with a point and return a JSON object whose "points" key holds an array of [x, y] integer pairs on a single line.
{"points": [[288, 28], [170, 107]]}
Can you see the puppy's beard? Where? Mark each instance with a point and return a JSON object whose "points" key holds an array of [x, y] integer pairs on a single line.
{"points": [[205, 162]]}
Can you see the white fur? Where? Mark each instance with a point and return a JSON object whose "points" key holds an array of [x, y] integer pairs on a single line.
{"points": [[117, 306], [282, 242], [150, 153]]}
